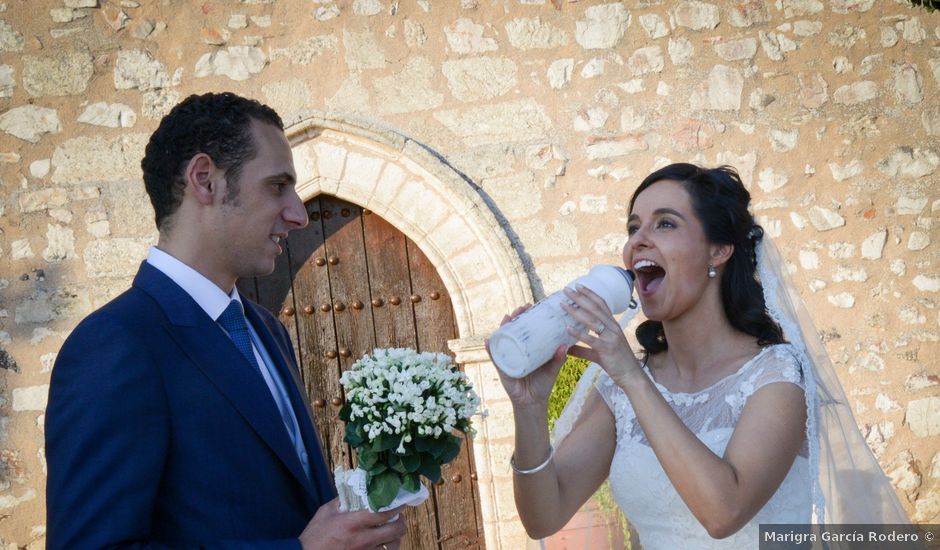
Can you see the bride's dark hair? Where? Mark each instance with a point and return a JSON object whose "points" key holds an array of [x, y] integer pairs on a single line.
{"points": [[720, 202]]}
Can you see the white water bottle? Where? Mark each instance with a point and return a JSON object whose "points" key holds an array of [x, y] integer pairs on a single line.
{"points": [[529, 341]]}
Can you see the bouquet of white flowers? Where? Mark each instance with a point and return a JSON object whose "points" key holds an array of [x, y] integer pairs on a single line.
{"points": [[401, 410]]}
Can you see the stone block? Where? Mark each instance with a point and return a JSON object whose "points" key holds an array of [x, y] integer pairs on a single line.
{"points": [[533, 33], [814, 90], [737, 50], [560, 71], [909, 162], [10, 39], [918, 240], [364, 170], [60, 243], [331, 160], [109, 115], [480, 78], [695, 15], [39, 168], [118, 257], [362, 51], [925, 283], [237, 63], [908, 84], [654, 25], [7, 81], [512, 121], [408, 90], [464, 36], [929, 117], [609, 148], [157, 103], [20, 249], [367, 7], [552, 238], [306, 51], [97, 159], [506, 192], [825, 219], [681, 50], [602, 26], [288, 97], [856, 93], [725, 86], [746, 14], [64, 74], [842, 300], [923, 416], [648, 60], [30, 122], [138, 69], [847, 171], [31, 398], [452, 236], [43, 199]]}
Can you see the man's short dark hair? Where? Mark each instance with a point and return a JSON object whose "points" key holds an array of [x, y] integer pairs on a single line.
{"points": [[217, 124]]}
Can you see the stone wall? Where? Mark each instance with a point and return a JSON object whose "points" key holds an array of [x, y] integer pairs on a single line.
{"points": [[553, 108]]}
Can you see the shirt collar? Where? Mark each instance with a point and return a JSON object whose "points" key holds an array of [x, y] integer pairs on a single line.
{"points": [[212, 299]]}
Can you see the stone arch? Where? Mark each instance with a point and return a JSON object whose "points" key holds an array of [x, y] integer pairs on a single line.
{"points": [[437, 207], [427, 199]]}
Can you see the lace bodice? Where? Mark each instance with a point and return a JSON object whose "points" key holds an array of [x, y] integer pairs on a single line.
{"points": [[645, 494]]}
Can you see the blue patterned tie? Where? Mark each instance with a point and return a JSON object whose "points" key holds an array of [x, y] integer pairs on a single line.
{"points": [[233, 321]]}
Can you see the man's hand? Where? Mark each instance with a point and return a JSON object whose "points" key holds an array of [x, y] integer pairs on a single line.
{"points": [[362, 530]]}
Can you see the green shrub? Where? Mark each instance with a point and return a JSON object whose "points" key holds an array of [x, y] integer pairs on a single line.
{"points": [[564, 385]]}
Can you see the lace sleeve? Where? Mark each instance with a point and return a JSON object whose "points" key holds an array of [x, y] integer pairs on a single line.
{"points": [[779, 364]]}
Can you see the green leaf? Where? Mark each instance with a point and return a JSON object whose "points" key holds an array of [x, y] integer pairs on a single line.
{"points": [[438, 447], [397, 465], [452, 450], [386, 442], [382, 489], [411, 482], [355, 436], [367, 458], [430, 468], [378, 468], [424, 444], [411, 462], [345, 411]]}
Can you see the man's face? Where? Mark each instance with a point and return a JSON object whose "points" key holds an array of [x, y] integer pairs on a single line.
{"points": [[253, 222]]}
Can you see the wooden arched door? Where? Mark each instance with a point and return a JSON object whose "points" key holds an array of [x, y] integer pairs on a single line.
{"points": [[350, 282]]}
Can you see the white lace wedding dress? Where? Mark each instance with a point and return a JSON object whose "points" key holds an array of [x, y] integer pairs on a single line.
{"points": [[647, 497]]}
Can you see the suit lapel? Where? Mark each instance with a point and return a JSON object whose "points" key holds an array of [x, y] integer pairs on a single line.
{"points": [[281, 354], [217, 357]]}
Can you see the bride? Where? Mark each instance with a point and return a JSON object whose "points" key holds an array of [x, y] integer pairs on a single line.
{"points": [[731, 418]]}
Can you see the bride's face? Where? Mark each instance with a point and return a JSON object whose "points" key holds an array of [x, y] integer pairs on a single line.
{"points": [[667, 251]]}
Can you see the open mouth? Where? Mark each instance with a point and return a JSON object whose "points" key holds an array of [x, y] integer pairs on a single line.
{"points": [[276, 239], [649, 275]]}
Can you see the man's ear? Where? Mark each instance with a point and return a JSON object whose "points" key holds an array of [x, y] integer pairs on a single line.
{"points": [[202, 178], [721, 253]]}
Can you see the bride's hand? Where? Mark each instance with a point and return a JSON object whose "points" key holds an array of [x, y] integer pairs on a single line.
{"points": [[535, 388], [608, 345]]}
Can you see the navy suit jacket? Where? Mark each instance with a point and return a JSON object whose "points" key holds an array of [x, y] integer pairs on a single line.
{"points": [[160, 435]]}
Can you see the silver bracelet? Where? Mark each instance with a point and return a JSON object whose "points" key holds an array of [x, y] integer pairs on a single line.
{"points": [[537, 469]]}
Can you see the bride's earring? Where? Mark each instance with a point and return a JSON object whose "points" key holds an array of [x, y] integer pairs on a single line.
{"points": [[712, 272]]}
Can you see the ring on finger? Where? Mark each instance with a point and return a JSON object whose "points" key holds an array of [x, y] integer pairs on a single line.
{"points": [[600, 328]]}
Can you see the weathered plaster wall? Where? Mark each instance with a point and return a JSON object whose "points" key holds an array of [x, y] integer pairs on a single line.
{"points": [[555, 108]]}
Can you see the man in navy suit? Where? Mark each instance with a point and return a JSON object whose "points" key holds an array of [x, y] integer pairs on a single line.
{"points": [[176, 417]]}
